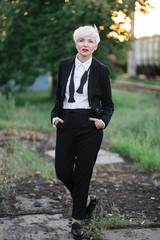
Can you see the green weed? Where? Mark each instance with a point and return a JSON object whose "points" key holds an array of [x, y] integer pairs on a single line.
{"points": [[29, 162], [20, 112], [139, 80], [8, 173], [115, 219], [7, 107], [93, 228], [17, 160], [134, 129]]}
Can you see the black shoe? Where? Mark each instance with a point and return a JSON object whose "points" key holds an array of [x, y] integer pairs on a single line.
{"points": [[76, 230], [90, 208]]}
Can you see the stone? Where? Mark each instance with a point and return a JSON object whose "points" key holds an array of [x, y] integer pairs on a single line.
{"points": [[104, 157], [37, 204]]}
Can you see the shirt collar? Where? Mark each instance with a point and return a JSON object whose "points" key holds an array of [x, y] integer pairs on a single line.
{"points": [[86, 64]]}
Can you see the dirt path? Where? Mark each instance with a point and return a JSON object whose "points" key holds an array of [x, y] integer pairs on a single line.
{"points": [[41, 209]]}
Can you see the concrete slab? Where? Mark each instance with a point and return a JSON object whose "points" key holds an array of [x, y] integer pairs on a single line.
{"points": [[132, 234], [104, 157], [37, 227], [55, 227]]}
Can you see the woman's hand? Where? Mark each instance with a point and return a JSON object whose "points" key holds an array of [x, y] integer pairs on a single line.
{"points": [[98, 123], [57, 121]]}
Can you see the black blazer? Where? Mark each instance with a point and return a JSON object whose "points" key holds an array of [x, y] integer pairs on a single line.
{"points": [[99, 89]]}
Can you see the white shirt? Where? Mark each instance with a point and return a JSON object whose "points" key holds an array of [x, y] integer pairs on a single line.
{"points": [[81, 100]]}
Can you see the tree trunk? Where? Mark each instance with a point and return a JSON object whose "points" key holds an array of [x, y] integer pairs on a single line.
{"points": [[54, 86]]}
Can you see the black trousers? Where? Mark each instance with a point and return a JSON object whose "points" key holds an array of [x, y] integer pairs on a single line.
{"points": [[77, 144]]}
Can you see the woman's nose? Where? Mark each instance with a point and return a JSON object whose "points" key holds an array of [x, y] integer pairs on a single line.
{"points": [[85, 43]]}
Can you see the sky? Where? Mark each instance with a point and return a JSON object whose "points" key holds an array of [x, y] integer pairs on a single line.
{"points": [[149, 24]]}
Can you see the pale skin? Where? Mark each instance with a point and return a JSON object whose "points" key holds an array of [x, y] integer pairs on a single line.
{"points": [[85, 47]]}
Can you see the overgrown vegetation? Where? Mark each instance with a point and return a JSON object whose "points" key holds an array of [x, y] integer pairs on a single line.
{"points": [[18, 160], [7, 176], [100, 221], [139, 80], [134, 130], [26, 110], [29, 162]]}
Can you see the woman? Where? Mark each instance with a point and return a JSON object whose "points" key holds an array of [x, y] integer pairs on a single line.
{"points": [[83, 108]]}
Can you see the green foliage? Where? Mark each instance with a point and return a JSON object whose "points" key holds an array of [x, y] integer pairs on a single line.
{"points": [[93, 228], [115, 219], [7, 107], [139, 80], [35, 35], [30, 111], [17, 160], [29, 162], [134, 129], [8, 172]]}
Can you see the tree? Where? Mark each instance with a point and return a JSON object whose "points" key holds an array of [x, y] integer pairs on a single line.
{"points": [[35, 35]]}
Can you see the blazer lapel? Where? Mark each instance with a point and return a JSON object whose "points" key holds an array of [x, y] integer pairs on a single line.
{"points": [[65, 74], [93, 77]]}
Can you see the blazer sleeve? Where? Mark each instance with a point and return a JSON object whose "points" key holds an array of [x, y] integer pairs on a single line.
{"points": [[56, 111], [106, 97]]}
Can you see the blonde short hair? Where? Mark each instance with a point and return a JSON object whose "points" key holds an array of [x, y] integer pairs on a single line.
{"points": [[86, 31]]}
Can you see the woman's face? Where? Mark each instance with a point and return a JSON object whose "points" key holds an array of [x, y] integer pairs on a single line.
{"points": [[86, 46]]}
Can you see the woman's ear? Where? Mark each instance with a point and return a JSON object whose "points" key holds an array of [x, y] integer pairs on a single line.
{"points": [[76, 45]]}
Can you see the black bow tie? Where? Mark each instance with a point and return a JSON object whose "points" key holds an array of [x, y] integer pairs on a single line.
{"points": [[80, 88]]}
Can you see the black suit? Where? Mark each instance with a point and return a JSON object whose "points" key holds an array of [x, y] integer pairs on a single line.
{"points": [[78, 140], [99, 90]]}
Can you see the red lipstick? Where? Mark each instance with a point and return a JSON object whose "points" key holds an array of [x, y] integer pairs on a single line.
{"points": [[85, 50]]}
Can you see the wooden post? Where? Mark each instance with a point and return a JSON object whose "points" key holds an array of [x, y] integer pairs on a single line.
{"points": [[131, 61]]}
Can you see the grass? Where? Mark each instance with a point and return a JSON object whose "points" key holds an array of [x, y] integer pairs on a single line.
{"points": [[139, 80], [134, 129], [23, 111], [28, 110], [16, 161], [93, 228], [7, 174], [115, 219], [28, 162]]}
